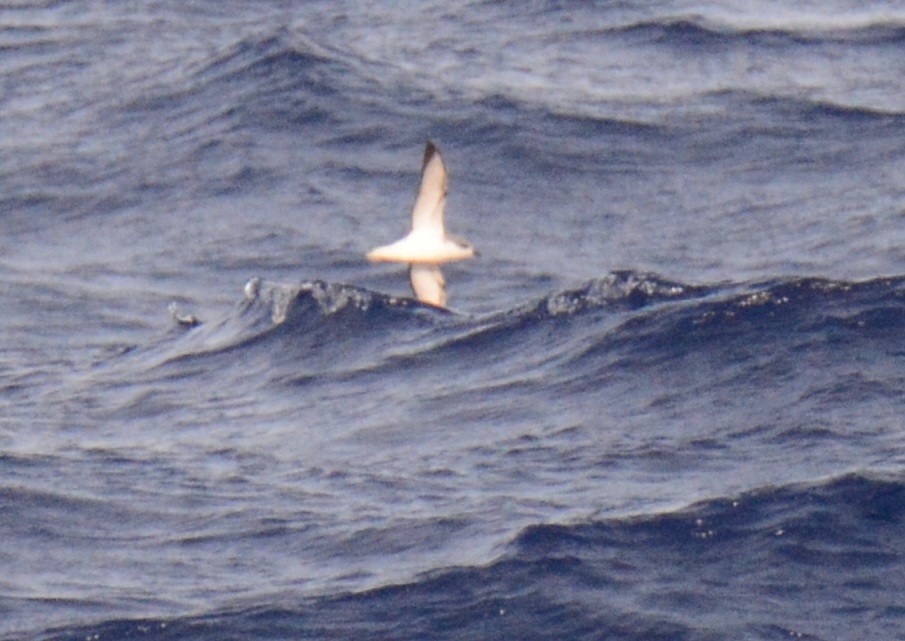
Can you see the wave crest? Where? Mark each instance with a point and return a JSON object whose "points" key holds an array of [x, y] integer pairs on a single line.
{"points": [[624, 289], [624, 319], [294, 303]]}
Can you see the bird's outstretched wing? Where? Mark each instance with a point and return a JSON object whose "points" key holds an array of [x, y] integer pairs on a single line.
{"points": [[427, 214], [428, 283]]}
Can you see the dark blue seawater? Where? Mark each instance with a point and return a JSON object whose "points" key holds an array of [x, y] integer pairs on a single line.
{"points": [[668, 401]]}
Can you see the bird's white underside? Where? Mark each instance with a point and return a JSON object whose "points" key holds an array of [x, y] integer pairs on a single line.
{"points": [[427, 246]]}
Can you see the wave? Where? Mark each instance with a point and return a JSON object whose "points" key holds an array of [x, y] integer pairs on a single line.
{"points": [[688, 341], [699, 31], [567, 343], [785, 557], [284, 81], [642, 304], [255, 82], [319, 313], [801, 110], [293, 83], [309, 310]]}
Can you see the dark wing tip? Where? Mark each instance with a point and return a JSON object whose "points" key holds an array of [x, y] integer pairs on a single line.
{"points": [[429, 151]]}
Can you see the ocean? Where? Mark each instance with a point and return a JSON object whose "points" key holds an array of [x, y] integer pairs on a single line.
{"points": [[667, 402]]}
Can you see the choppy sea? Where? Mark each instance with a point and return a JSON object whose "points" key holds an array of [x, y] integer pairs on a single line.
{"points": [[668, 400]]}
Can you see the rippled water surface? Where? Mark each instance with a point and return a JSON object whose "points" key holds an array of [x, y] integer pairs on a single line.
{"points": [[667, 400]]}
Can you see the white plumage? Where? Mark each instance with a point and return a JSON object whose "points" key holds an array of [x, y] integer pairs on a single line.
{"points": [[427, 245]]}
